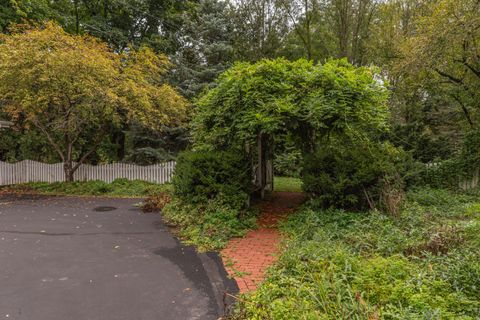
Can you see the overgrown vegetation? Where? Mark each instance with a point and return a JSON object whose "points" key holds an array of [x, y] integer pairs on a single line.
{"points": [[208, 225], [354, 175], [301, 98], [211, 192], [202, 176], [314, 108], [423, 264], [118, 188], [307, 89]]}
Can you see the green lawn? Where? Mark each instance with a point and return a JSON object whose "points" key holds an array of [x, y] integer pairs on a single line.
{"points": [[118, 188], [287, 184]]}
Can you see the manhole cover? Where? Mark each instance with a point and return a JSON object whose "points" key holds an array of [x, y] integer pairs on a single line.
{"points": [[103, 209]]}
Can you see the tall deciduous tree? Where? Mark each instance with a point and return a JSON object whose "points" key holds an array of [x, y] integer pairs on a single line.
{"points": [[445, 49], [21, 10], [303, 15], [74, 88], [351, 20], [261, 29]]}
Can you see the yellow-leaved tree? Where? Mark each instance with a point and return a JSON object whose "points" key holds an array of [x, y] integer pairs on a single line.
{"points": [[73, 88]]}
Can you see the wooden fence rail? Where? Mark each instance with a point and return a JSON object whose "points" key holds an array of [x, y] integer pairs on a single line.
{"points": [[33, 171]]}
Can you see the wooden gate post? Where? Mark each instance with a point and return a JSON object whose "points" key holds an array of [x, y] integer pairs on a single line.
{"points": [[265, 164]]}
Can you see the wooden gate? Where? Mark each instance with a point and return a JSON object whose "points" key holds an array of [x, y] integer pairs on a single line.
{"points": [[263, 166]]}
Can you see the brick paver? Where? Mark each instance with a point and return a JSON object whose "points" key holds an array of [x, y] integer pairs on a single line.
{"points": [[246, 259]]}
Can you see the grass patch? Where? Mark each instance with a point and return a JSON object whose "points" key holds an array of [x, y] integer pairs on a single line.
{"points": [[118, 188], [287, 184], [424, 264]]}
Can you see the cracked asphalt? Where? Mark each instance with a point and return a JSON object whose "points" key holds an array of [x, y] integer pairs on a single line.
{"points": [[65, 258]]}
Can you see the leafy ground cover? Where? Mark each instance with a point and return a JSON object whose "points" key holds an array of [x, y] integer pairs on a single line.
{"points": [[118, 188], [287, 184], [209, 203], [208, 225], [423, 264]]}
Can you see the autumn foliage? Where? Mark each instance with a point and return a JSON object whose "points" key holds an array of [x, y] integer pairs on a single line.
{"points": [[73, 88]]}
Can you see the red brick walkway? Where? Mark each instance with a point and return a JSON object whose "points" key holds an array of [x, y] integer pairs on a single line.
{"points": [[246, 259]]}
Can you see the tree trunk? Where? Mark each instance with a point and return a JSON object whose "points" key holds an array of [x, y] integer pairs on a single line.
{"points": [[77, 17], [68, 169], [262, 164], [119, 138], [307, 29], [265, 164], [343, 8]]}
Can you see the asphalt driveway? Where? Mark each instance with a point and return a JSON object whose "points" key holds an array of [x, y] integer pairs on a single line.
{"points": [[65, 258]]}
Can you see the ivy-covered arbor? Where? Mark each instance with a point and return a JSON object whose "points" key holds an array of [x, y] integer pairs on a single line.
{"points": [[253, 103]]}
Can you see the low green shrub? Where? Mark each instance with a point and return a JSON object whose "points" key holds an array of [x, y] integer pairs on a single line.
{"points": [[119, 187], [208, 225], [207, 175], [347, 265], [210, 197], [352, 176]]}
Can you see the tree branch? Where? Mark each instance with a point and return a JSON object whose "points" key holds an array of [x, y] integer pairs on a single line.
{"points": [[448, 76], [297, 28], [464, 109], [50, 139], [94, 147], [469, 66], [456, 80]]}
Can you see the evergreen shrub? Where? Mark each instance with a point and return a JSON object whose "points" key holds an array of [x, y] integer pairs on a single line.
{"points": [[206, 175], [352, 176]]}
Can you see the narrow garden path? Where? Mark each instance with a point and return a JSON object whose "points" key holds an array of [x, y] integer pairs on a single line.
{"points": [[246, 259]]}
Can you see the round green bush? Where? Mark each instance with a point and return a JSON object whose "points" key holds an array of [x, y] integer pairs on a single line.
{"points": [[205, 175], [350, 175]]}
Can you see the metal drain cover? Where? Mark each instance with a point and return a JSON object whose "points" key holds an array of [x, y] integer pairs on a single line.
{"points": [[104, 209]]}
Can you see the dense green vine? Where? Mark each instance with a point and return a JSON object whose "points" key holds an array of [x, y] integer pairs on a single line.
{"points": [[277, 96]]}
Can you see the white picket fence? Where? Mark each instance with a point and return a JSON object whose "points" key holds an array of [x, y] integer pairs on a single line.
{"points": [[33, 171], [464, 183], [472, 183]]}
